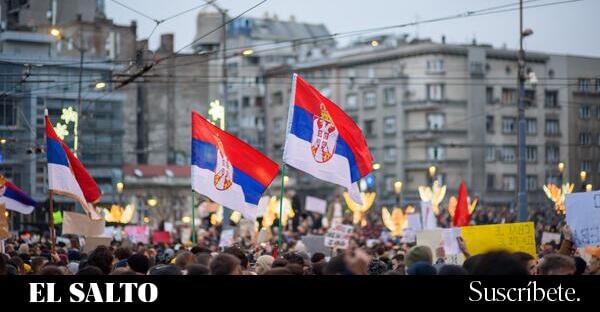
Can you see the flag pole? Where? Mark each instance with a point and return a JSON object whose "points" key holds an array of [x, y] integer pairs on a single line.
{"points": [[193, 219], [281, 208], [52, 231]]}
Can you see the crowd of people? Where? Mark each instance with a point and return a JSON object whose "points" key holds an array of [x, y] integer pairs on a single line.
{"points": [[363, 256]]}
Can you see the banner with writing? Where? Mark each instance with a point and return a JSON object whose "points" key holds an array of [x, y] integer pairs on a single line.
{"points": [[509, 236], [338, 236], [583, 216]]}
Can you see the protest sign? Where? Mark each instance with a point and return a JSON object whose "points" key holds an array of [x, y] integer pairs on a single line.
{"points": [[583, 216], [161, 237], [429, 221], [186, 235], [434, 238], [226, 238], [409, 235], [450, 242], [81, 224], [338, 236], [548, 237], [92, 242], [136, 234], [168, 227], [314, 244], [315, 204], [509, 236]]}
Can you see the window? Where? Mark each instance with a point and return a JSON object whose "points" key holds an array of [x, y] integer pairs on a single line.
{"points": [[489, 95], [598, 138], [369, 127], [508, 125], [585, 112], [552, 127], [371, 72], [258, 101], [389, 184], [389, 154], [529, 98], [245, 101], [490, 184], [435, 66], [508, 154], [532, 183], [552, 154], [277, 125], [509, 182], [551, 98], [370, 99], [389, 95], [389, 125], [490, 153], [598, 85], [585, 165], [509, 96], [585, 138], [435, 152], [435, 92], [8, 112], [531, 152], [531, 125], [435, 121], [277, 98], [489, 124], [351, 101], [583, 85]]}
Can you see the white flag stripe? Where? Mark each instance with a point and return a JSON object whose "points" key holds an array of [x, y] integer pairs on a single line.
{"points": [[14, 205], [298, 155], [233, 197]]}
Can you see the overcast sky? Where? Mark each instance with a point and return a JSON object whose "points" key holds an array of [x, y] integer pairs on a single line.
{"points": [[570, 28]]}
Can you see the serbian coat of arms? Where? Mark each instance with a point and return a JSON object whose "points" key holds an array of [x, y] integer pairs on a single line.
{"points": [[223, 170], [324, 137]]}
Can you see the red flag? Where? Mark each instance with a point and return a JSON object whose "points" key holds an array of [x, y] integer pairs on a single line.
{"points": [[461, 214]]}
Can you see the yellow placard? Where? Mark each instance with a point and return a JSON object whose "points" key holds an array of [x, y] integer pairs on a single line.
{"points": [[509, 236]]}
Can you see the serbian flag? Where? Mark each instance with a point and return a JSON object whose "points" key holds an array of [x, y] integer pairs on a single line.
{"points": [[15, 199], [461, 214], [227, 170], [67, 176], [323, 141]]}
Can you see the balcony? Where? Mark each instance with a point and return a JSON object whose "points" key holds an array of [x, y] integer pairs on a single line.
{"points": [[429, 134], [432, 105]]}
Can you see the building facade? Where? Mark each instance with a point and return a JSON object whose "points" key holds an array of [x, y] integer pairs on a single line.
{"points": [[447, 112]]}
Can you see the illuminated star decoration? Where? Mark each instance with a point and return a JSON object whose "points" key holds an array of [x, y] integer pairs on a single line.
{"points": [[272, 211], [434, 194], [557, 195], [454, 201], [118, 214], [396, 222], [61, 130], [359, 210], [217, 112]]}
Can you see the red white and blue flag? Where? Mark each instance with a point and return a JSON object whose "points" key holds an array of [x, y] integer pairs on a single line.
{"points": [[324, 141], [15, 199], [227, 170], [67, 176]]}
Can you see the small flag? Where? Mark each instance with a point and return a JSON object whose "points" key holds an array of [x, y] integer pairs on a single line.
{"points": [[227, 170], [14, 198], [461, 214], [57, 216], [323, 141], [67, 176]]}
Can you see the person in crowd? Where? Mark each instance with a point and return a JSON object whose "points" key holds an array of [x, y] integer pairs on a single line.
{"points": [[557, 264], [225, 264]]}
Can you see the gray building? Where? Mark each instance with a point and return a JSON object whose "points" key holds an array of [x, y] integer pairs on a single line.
{"points": [[450, 110], [35, 79]]}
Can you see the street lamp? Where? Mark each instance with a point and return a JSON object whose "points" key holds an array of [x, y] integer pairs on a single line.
{"points": [[561, 169], [398, 191], [376, 166], [152, 202], [432, 170], [247, 52], [120, 187], [521, 135], [588, 187], [100, 85], [55, 32]]}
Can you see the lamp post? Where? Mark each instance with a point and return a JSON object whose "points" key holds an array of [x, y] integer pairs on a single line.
{"points": [[561, 170], [398, 191], [55, 32], [152, 202], [522, 165], [432, 171], [583, 177]]}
